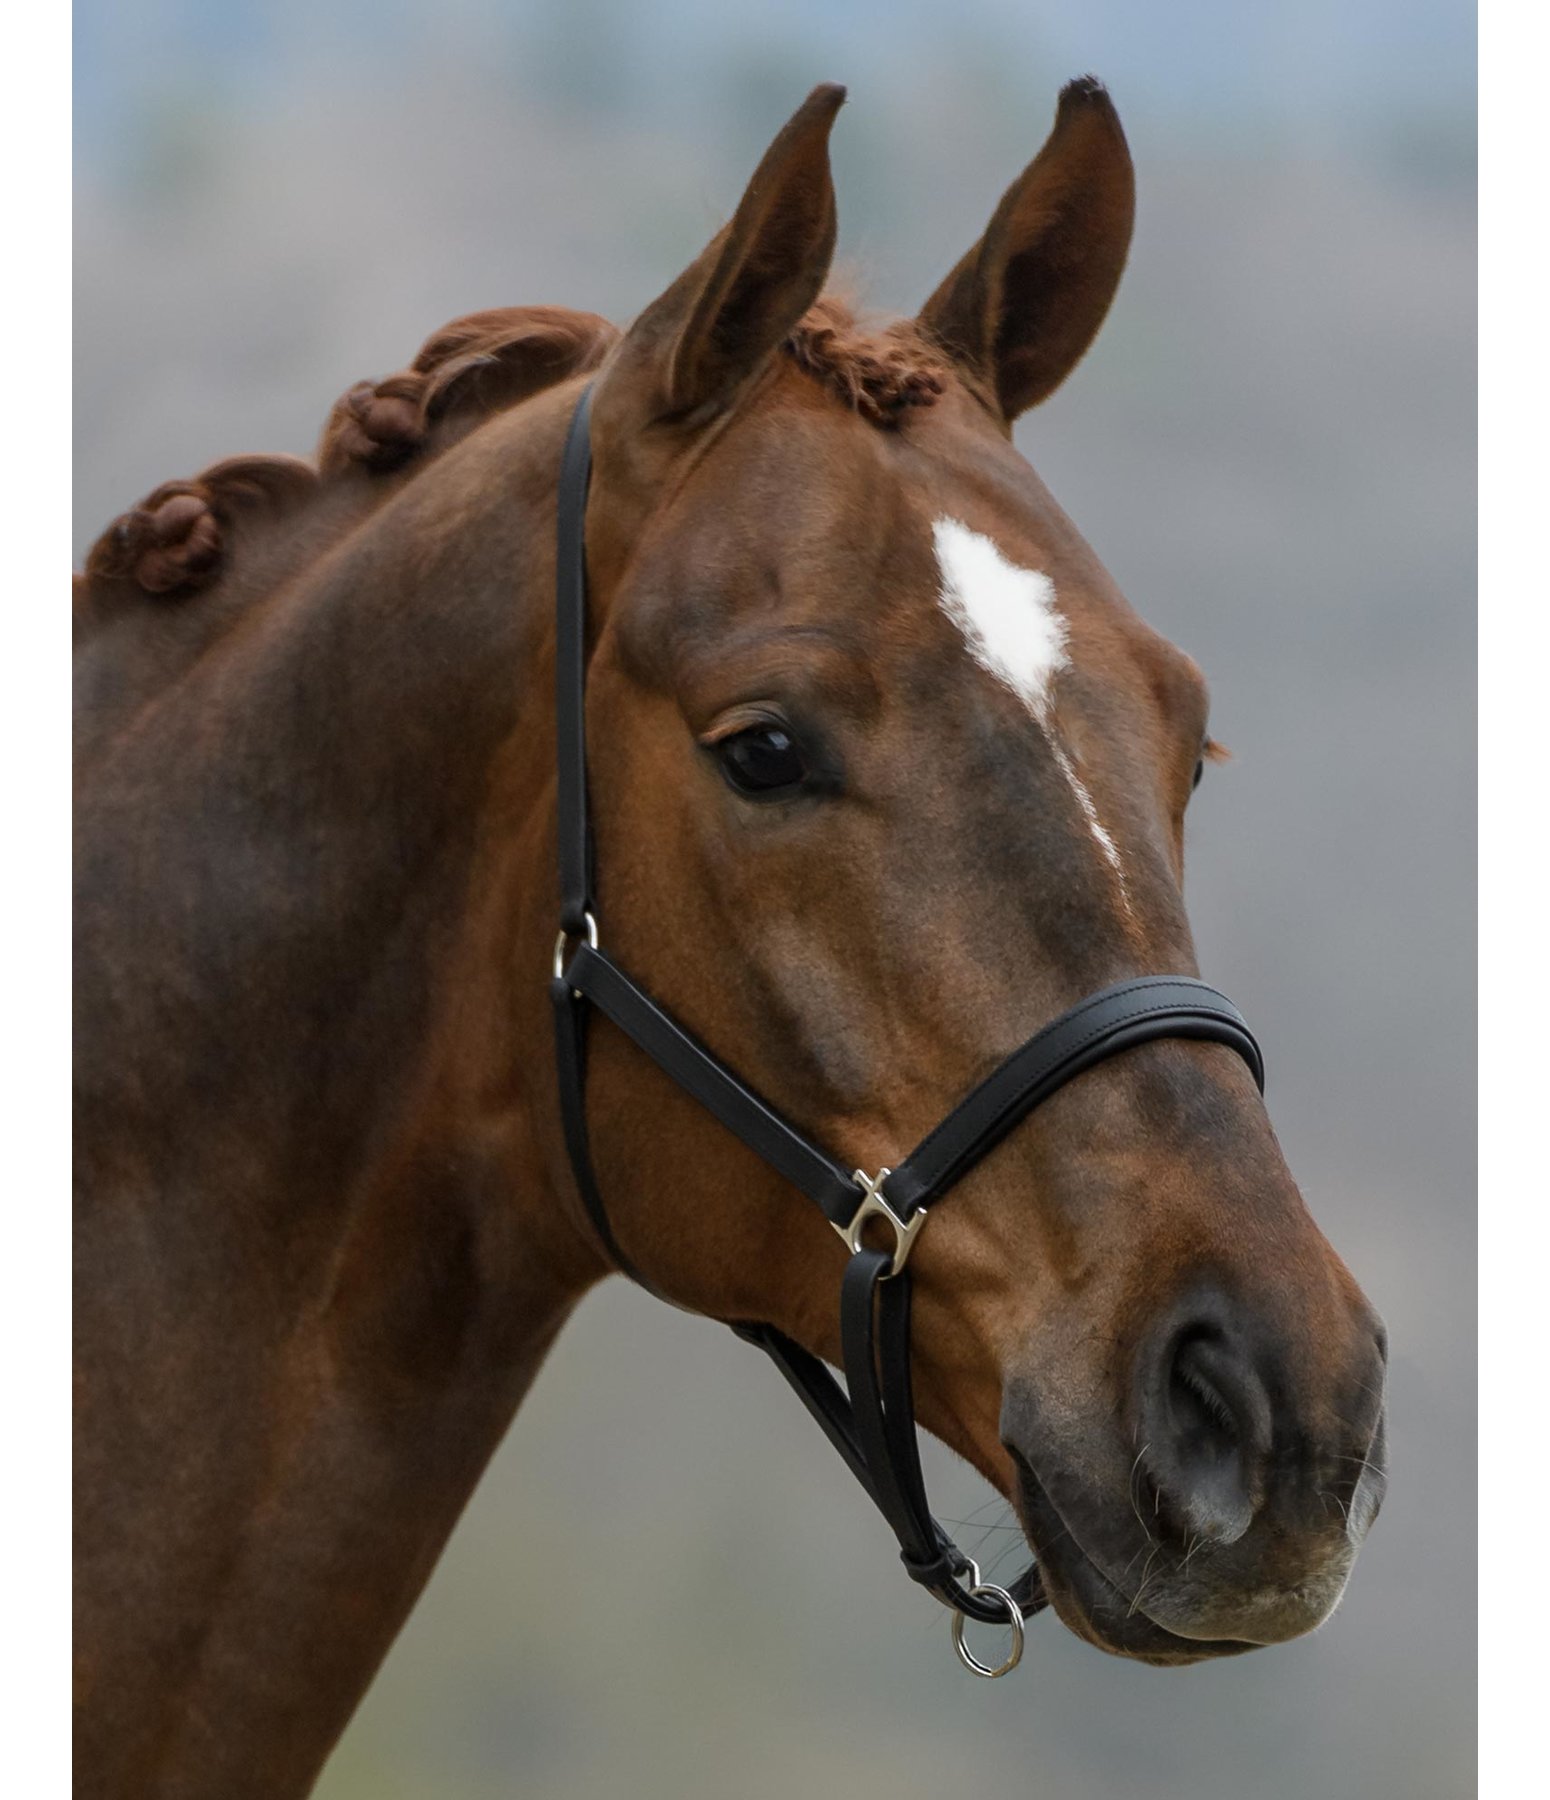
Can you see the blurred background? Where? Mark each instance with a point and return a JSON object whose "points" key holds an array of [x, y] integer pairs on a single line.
{"points": [[667, 1584]]}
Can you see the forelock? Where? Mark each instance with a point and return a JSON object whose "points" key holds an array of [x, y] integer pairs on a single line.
{"points": [[880, 373]]}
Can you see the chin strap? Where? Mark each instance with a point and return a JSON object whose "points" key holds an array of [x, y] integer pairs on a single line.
{"points": [[873, 1426]]}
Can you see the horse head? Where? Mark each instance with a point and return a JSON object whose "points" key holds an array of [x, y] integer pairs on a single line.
{"points": [[886, 773]]}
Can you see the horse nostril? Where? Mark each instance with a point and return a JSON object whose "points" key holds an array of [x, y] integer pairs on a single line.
{"points": [[1205, 1419]]}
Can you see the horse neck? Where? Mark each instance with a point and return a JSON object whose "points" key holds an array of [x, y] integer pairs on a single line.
{"points": [[321, 1248]]}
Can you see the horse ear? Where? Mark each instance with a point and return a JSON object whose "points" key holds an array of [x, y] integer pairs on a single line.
{"points": [[714, 327], [1021, 308]]}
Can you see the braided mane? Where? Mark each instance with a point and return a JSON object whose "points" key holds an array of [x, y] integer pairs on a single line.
{"points": [[474, 367], [182, 538]]}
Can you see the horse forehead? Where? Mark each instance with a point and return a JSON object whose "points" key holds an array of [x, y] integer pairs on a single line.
{"points": [[808, 514]]}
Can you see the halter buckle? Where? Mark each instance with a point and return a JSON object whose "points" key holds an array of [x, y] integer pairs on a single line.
{"points": [[874, 1206], [562, 943]]}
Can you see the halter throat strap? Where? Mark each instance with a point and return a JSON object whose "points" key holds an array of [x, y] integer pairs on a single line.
{"points": [[873, 1425]]}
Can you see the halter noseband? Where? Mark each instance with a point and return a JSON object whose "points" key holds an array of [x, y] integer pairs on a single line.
{"points": [[873, 1427]]}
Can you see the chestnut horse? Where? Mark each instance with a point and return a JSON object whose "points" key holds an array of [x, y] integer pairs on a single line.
{"points": [[885, 773]]}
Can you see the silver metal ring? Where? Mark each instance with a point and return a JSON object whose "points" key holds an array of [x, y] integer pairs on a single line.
{"points": [[565, 937], [1014, 1617]]}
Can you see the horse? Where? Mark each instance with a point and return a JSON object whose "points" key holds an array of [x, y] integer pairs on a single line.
{"points": [[885, 773]]}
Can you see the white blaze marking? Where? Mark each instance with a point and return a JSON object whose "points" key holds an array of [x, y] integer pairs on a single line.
{"points": [[1094, 824], [1006, 614], [1014, 631]]}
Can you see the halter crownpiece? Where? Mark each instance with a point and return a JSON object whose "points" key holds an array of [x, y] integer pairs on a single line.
{"points": [[873, 1425]]}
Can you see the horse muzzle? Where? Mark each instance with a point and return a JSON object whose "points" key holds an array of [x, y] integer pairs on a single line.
{"points": [[1220, 1508]]}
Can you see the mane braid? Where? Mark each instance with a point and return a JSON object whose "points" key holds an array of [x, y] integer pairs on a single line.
{"points": [[466, 372], [178, 540], [879, 375], [172, 541]]}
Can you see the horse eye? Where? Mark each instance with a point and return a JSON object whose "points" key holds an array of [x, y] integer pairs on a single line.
{"points": [[1200, 769], [763, 762]]}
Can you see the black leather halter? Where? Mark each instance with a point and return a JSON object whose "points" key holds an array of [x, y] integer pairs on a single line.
{"points": [[874, 1427]]}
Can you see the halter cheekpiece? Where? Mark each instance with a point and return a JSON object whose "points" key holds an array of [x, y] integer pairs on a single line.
{"points": [[873, 1426]]}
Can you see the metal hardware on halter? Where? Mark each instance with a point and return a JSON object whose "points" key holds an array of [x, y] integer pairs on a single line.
{"points": [[565, 937], [1014, 1618], [874, 1206]]}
